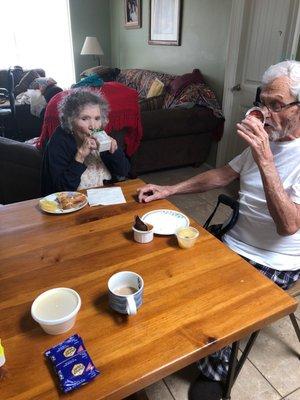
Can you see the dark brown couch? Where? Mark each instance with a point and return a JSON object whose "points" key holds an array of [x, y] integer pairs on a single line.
{"points": [[179, 130], [20, 166]]}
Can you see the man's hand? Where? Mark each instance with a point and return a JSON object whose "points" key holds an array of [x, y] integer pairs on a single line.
{"points": [[89, 143], [252, 131], [153, 192]]}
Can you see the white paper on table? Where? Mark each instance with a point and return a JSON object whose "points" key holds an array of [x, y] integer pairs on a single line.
{"points": [[105, 196]]}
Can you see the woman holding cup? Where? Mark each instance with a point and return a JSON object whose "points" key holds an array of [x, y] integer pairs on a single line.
{"points": [[73, 159]]}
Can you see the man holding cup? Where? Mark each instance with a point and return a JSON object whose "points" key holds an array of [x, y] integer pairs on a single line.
{"points": [[267, 232]]}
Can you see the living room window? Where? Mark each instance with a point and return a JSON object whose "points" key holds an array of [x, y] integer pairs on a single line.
{"points": [[36, 35]]}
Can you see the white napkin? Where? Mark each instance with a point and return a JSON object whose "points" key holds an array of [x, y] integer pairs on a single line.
{"points": [[105, 197]]}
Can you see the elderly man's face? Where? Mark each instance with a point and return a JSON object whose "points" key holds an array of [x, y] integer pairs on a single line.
{"points": [[285, 124]]}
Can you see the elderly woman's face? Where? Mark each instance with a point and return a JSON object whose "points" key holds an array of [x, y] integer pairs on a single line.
{"points": [[88, 119]]}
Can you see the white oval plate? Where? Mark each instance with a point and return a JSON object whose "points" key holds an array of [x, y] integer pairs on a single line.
{"points": [[166, 222], [58, 210]]}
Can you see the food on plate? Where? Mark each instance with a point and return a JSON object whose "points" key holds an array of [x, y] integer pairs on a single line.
{"points": [[69, 200], [48, 205]]}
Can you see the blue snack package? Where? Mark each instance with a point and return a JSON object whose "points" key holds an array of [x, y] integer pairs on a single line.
{"points": [[66, 349], [75, 372], [72, 363]]}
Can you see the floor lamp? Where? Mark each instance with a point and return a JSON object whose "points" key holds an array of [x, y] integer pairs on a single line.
{"points": [[91, 46]]}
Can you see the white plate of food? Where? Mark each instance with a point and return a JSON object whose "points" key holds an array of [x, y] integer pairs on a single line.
{"points": [[63, 202], [166, 222]]}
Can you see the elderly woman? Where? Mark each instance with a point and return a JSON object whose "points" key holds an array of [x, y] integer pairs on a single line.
{"points": [[72, 158]]}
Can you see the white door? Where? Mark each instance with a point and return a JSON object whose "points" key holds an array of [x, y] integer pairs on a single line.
{"points": [[266, 36]]}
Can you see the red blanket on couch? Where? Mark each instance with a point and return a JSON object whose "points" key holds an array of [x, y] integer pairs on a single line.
{"points": [[124, 113]]}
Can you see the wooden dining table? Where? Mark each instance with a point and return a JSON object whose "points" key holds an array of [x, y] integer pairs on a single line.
{"points": [[196, 300]]}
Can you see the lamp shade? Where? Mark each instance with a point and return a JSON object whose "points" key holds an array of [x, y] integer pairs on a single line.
{"points": [[92, 46]]}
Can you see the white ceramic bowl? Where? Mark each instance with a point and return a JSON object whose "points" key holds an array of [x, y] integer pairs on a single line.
{"points": [[56, 310], [143, 236]]}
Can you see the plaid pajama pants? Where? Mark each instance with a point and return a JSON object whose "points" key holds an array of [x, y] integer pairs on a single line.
{"points": [[216, 365]]}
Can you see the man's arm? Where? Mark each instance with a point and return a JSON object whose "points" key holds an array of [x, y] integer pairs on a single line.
{"points": [[285, 213], [208, 180]]}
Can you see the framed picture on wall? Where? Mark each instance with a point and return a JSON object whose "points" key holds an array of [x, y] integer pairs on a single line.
{"points": [[133, 14], [165, 22]]}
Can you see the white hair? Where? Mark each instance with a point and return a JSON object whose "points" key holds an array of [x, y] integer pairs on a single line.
{"points": [[291, 69]]}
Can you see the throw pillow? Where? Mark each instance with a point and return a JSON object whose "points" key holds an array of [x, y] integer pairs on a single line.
{"points": [[179, 83], [151, 103], [17, 73], [26, 81], [156, 88]]}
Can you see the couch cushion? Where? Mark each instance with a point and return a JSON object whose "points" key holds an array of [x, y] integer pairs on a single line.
{"points": [[25, 82], [151, 103], [180, 82], [142, 79], [178, 122]]}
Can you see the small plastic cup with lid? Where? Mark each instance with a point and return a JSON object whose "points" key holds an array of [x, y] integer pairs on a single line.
{"points": [[187, 237]]}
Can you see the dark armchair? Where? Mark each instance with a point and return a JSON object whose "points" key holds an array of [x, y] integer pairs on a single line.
{"points": [[8, 111]]}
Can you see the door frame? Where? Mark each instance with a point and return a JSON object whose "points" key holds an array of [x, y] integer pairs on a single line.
{"points": [[235, 30]]}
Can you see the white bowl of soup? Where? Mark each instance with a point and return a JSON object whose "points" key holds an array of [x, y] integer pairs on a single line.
{"points": [[56, 310]]}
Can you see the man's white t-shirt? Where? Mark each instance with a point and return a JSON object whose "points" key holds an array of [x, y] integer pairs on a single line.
{"points": [[254, 235]]}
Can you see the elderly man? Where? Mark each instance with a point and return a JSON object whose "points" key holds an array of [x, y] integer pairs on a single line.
{"points": [[267, 233]]}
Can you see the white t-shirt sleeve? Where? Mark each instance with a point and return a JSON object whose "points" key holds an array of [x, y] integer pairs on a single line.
{"points": [[238, 162], [295, 192]]}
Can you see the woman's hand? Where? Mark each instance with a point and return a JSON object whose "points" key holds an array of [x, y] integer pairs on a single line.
{"points": [[89, 144], [113, 146]]}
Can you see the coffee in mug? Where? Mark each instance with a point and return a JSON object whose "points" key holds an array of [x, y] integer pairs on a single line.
{"points": [[125, 292]]}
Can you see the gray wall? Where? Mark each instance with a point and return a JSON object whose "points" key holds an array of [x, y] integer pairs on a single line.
{"points": [[89, 18], [204, 35], [298, 52], [205, 26]]}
